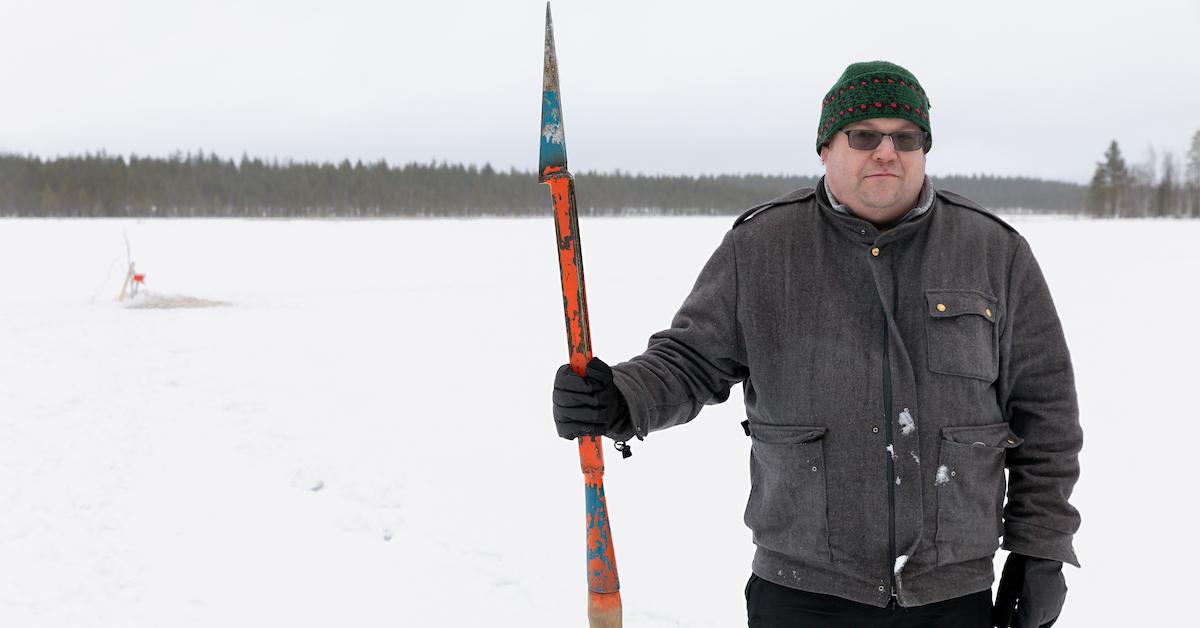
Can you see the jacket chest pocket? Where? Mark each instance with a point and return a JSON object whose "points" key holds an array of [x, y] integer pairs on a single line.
{"points": [[961, 336], [970, 490], [787, 506]]}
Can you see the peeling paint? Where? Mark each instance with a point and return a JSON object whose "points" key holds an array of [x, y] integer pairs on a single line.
{"points": [[601, 560], [900, 562], [552, 154], [604, 600], [915, 457], [553, 133], [907, 425], [891, 451]]}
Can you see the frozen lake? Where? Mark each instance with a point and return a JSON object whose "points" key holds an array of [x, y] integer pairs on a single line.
{"points": [[361, 435]]}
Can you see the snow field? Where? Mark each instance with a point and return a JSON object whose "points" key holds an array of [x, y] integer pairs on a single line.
{"points": [[362, 435]]}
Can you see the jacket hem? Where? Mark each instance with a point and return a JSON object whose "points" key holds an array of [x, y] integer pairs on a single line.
{"points": [[944, 583]]}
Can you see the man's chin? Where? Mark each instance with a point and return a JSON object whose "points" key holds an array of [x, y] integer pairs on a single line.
{"points": [[881, 204], [877, 187]]}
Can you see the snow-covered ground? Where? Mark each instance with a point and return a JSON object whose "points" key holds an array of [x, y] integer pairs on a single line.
{"points": [[361, 435]]}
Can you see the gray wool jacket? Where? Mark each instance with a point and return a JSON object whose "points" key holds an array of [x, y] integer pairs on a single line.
{"points": [[889, 378]]}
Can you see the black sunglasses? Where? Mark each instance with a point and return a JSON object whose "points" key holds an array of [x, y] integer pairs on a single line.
{"points": [[902, 141]]}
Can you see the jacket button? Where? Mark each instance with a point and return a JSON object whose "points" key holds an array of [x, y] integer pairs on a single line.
{"points": [[941, 307], [875, 430], [814, 469], [988, 311], [875, 252], [881, 588], [1012, 442]]}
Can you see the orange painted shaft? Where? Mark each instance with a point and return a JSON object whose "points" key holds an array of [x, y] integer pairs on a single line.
{"points": [[604, 599], [570, 269]]}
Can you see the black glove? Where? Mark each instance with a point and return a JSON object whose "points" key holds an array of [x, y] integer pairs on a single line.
{"points": [[1031, 593], [589, 405]]}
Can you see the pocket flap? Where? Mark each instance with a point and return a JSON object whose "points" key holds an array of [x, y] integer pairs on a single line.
{"points": [[785, 434], [948, 303], [998, 435]]}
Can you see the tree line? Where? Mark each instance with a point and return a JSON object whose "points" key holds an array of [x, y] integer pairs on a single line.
{"points": [[205, 185], [1158, 186]]}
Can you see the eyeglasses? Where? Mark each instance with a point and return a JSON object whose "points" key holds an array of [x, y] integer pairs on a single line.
{"points": [[902, 141]]}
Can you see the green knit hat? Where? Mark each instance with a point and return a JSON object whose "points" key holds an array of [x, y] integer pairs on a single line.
{"points": [[873, 89]]}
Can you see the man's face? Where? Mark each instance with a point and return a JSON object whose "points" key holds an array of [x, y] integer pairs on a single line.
{"points": [[878, 185]]}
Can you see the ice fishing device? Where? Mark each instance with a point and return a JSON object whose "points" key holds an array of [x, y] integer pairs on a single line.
{"points": [[604, 597], [133, 279]]}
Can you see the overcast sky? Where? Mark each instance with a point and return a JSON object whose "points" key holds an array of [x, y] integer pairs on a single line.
{"points": [[1017, 88]]}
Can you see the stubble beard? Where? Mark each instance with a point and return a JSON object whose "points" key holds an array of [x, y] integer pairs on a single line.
{"points": [[881, 197]]}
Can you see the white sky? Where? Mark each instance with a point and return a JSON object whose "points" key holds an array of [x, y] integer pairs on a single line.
{"points": [[1029, 88]]}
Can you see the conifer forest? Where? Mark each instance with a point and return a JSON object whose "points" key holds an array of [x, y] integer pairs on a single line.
{"points": [[207, 185]]}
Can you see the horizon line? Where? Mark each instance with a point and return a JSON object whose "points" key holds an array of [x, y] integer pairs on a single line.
{"points": [[435, 162]]}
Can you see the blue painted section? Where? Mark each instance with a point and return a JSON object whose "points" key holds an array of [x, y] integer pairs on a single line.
{"points": [[597, 519], [554, 147]]}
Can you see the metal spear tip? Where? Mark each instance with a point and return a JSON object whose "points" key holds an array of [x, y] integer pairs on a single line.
{"points": [[553, 154], [550, 65]]}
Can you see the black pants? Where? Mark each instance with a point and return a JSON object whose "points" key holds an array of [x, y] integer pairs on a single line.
{"points": [[770, 605]]}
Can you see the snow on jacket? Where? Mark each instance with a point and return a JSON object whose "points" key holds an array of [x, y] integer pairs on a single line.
{"points": [[889, 379]]}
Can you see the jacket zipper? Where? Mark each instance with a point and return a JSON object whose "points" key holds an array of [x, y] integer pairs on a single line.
{"points": [[891, 459]]}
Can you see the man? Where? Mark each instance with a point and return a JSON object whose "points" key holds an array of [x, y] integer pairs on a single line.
{"points": [[898, 350]]}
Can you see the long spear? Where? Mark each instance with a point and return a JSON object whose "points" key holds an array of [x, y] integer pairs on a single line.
{"points": [[604, 597]]}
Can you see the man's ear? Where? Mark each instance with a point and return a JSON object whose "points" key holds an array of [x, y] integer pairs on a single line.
{"points": [[824, 154]]}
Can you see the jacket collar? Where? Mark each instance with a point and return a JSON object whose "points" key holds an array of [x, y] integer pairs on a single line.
{"points": [[924, 201], [860, 230]]}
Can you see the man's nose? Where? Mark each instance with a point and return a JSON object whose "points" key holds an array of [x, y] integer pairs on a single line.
{"points": [[886, 151]]}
